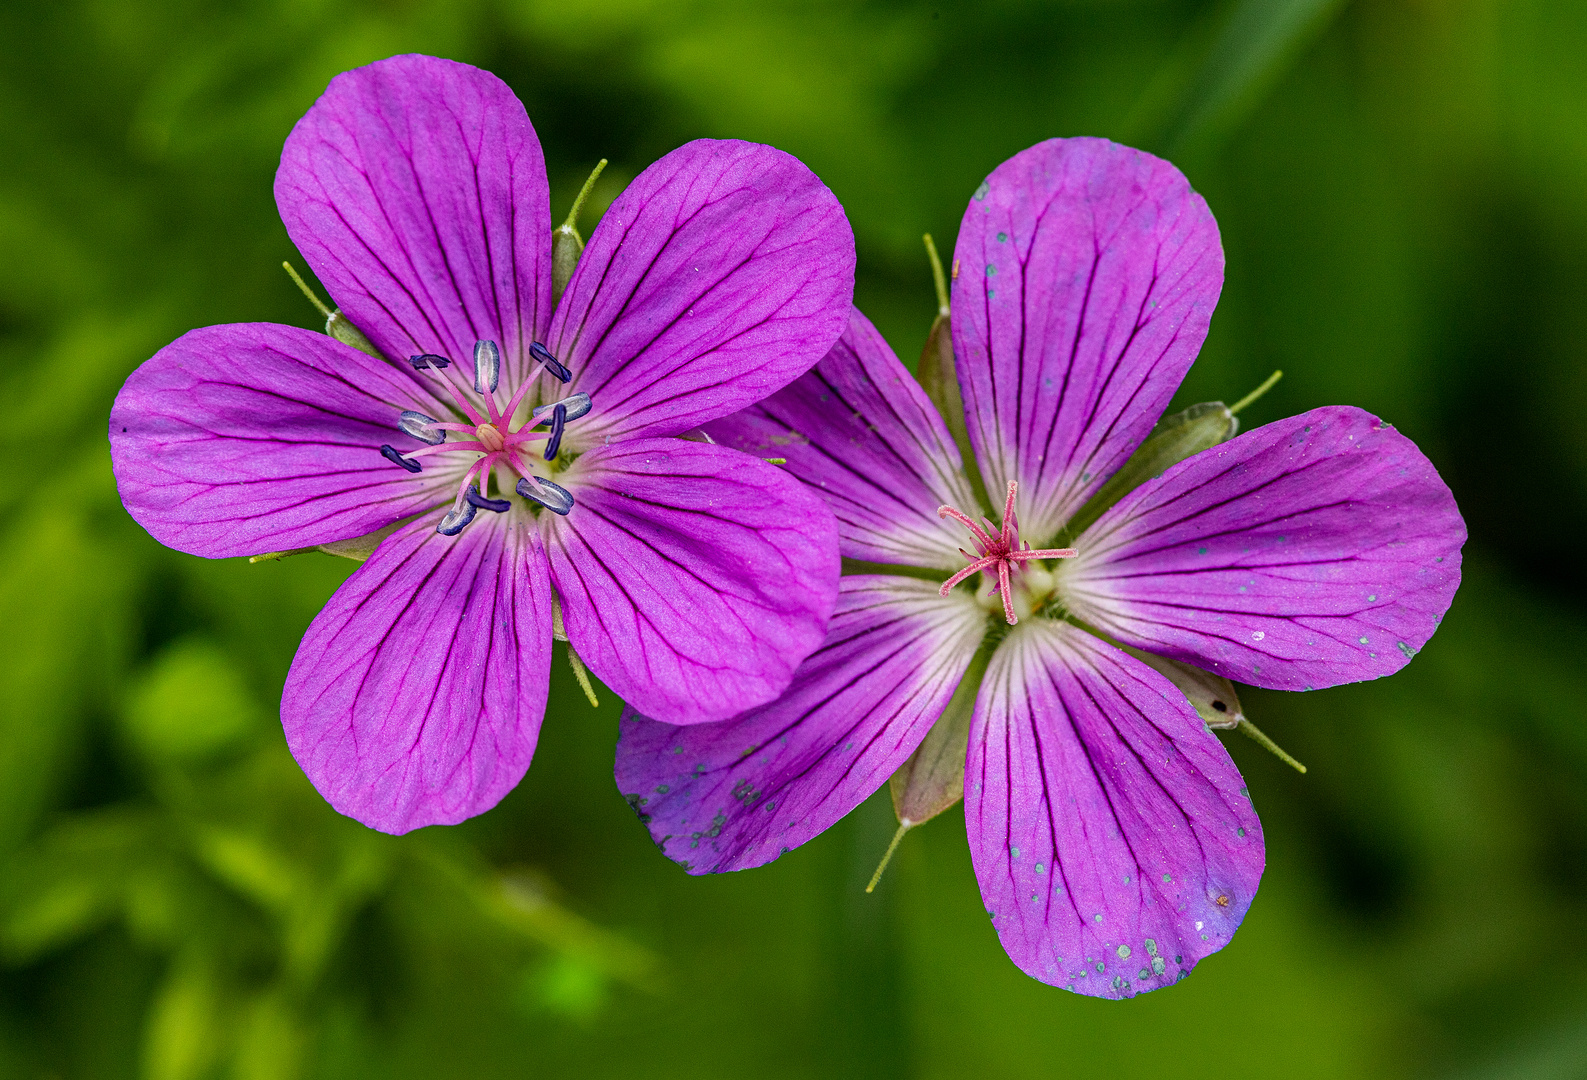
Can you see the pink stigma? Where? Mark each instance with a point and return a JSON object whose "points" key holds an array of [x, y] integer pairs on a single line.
{"points": [[998, 552]]}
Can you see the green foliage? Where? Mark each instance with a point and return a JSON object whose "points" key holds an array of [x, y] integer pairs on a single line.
{"points": [[1399, 189]]}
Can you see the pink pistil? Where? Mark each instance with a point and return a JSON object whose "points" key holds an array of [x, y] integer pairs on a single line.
{"points": [[998, 551]]}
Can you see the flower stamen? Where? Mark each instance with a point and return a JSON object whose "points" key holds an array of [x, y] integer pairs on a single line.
{"points": [[998, 551], [490, 436]]}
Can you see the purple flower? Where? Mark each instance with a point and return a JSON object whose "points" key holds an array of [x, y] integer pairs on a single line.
{"points": [[521, 452], [1111, 834]]}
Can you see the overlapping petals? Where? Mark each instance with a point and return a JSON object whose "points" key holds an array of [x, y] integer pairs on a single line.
{"points": [[734, 795], [1112, 837], [720, 274], [243, 439], [1088, 272], [1111, 834], [416, 695], [1318, 550], [693, 578], [416, 190], [859, 429]]}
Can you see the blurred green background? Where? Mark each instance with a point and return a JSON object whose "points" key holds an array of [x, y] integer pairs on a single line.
{"points": [[1402, 189]]}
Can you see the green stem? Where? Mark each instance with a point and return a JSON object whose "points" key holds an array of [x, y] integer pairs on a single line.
{"points": [[578, 203], [888, 857], [308, 292], [937, 276], [1255, 733], [1258, 392]]}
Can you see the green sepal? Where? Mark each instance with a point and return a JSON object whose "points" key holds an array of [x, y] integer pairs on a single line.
{"points": [[1175, 438], [932, 780], [338, 326], [1212, 696], [566, 247], [566, 243], [359, 548], [939, 377]]}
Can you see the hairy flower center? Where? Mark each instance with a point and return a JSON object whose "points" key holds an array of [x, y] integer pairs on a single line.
{"points": [[1000, 555], [489, 439]]}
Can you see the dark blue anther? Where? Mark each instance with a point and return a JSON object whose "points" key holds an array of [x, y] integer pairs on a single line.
{"points": [[559, 418], [455, 520], [428, 360], [553, 365], [487, 366], [577, 405], [554, 497], [391, 455], [500, 506], [419, 426]]}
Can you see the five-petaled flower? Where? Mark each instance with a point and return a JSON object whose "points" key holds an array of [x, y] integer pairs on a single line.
{"points": [[513, 445], [1112, 837]]}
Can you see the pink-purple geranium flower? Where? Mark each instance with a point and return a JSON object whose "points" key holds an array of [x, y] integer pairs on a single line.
{"points": [[522, 452], [1111, 834]]}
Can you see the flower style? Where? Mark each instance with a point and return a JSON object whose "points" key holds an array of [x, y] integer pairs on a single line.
{"points": [[1112, 837], [690, 576]]}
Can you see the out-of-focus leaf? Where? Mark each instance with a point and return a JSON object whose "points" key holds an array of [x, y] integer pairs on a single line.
{"points": [[183, 1037], [320, 917], [55, 601], [250, 865], [192, 704], [271, 1040], [566, 985], [71, 880], [1217, 80], [521, 901]]}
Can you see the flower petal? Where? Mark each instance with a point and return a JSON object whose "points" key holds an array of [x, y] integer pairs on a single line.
{"points": [[722, 273], [1319, 550], [694, 579], [243, 439], [859, 428], [1111, 834], [416, 190], [416, 696], [736, 794], [1087, 275]]}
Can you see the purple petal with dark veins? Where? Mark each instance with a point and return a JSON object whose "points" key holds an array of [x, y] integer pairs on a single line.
{"points": [[416, 696], [1111, 834], [694, 579], [416, 190], [736, 794], [1087, 275], [249, 438], [859, 429], [1319, 550], [722, 273]]}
